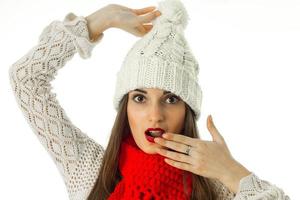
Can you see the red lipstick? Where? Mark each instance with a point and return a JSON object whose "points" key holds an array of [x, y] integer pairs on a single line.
{"points": [[149, 137]]}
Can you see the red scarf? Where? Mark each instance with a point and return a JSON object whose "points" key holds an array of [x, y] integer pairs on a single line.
{"points": [[148, 176]]}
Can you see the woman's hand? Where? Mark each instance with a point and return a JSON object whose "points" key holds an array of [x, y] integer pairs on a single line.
{"points": [[134, 21], [211, 159]]}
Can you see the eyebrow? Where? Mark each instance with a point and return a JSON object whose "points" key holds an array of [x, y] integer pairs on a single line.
{"points": [[143, 91]]}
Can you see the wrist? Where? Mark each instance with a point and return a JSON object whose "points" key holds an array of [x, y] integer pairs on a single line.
{"points": [[97, 24], [231, 179]]}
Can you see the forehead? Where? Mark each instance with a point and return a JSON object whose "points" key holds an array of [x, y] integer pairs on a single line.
{"points": [[151, 90]]}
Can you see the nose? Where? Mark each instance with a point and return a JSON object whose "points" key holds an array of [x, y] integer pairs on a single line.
{"points": [[156, 113]]}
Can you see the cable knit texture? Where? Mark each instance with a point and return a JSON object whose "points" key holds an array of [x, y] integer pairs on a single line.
{"points": [[148, 176], [163, 59], [77, 156]]}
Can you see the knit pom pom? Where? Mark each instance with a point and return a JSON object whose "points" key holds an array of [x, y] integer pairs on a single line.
{"points": [[174, 11]]}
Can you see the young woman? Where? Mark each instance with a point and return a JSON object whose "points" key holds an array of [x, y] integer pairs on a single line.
{"points": [[156, 93]]}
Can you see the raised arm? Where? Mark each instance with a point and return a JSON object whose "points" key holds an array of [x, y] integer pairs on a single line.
{"points": [[77, 156], [73, 152]]}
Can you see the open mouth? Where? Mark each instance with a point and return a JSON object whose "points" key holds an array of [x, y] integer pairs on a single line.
{"points": [[152, 133]]}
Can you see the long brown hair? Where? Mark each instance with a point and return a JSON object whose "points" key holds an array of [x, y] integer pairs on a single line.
{"points": [[109, 174]]}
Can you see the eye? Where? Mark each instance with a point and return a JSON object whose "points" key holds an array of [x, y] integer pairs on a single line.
{"points": [[138, 97], [174, 97]]}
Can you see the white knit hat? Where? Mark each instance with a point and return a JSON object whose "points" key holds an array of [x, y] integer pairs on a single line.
{"points": [[162, 59]]}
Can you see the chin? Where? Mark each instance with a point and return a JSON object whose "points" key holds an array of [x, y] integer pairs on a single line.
{"points": [[149, 150], [147, 147]]}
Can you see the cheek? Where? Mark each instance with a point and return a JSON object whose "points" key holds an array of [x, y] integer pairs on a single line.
{"points": [[136, 120], [134, 116], [177, 118]]}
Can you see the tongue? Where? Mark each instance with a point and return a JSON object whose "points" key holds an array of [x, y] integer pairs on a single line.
{"points": [[155, 134]]}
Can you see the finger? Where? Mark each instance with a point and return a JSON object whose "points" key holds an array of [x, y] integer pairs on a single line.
{"points": [[149, 17], [179, 138], [141, 29], [217, 137], [148, 27], [180, 165], [143, 10], [174, 155], [171, 145]]}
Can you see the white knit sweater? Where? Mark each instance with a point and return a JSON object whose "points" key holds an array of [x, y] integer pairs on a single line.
{"points": [[77, 156]]}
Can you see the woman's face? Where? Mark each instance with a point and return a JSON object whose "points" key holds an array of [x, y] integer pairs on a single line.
{"points": [[154, 108]]}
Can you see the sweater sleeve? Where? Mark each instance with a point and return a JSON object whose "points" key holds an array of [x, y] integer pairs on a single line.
{"points": [[250, 187], [77, 156]]}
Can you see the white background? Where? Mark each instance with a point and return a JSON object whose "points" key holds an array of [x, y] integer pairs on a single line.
{"points": [[248, 53]]}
